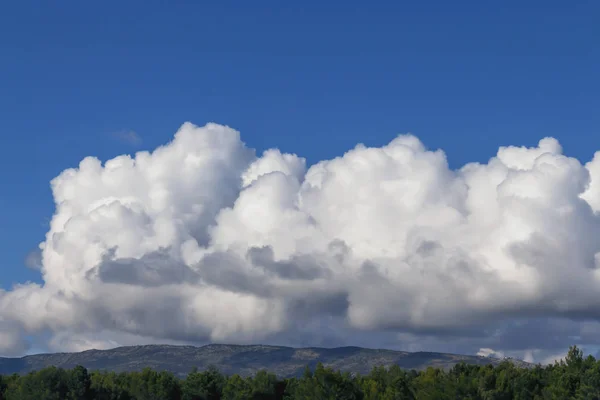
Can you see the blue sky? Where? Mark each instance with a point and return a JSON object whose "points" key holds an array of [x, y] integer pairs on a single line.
{"points": [[309, 78]]}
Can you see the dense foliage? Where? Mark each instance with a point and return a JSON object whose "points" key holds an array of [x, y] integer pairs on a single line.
{"points": [[574, 378]]}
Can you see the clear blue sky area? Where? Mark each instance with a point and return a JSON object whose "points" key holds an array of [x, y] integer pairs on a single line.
{"points": [[309, 77]]}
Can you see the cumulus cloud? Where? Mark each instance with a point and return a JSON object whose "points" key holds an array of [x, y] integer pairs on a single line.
{"points": [[202, 240]]}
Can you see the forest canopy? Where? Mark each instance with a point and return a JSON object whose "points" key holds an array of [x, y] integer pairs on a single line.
{"points": [[575, 377]]}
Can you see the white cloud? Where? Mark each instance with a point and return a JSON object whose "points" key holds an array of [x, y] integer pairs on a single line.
{"points": [[529, 356], [201, 240], [486, 352], [33, 259], [74, 342], [551, 359], [129, 136], [11, 340], [274, 161]]}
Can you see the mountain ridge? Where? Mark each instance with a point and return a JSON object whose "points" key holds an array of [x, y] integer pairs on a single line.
{"points": [[240, 359]]}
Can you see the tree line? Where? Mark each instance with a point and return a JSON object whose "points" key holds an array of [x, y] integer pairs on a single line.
{"points": [[575, 377]]}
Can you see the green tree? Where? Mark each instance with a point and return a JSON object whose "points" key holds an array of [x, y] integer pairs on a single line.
{"points": [[110, 386], [264, 386], [237, 388], [206, 385], [575, 377], [79, 384]]}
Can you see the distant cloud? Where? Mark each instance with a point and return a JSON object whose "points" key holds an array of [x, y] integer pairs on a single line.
{"points": [[33, 259], [490, 353], [11, 339], [129, 136], [554, 358], [204, 240]]}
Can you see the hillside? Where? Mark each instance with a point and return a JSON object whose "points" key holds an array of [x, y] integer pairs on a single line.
{"points": [[243, 360]]}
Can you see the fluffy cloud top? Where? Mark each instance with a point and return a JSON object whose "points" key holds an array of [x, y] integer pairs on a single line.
{"points": [[201, 240]]}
